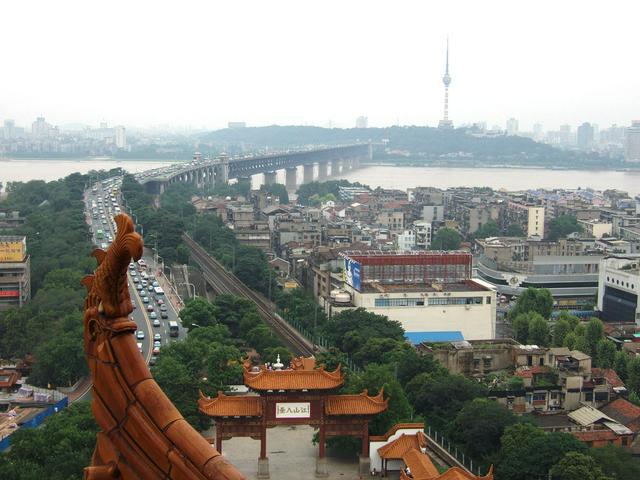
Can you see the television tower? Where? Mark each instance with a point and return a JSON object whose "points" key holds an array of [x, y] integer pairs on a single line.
{"points": [[445, 122]]}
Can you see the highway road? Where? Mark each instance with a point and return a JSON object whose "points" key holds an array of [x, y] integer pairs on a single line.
{"points": [[100, 208]]}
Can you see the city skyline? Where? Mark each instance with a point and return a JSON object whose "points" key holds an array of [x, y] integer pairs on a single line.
{"points": [[182, 69]]}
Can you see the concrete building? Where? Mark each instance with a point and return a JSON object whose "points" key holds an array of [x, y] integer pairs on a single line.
{"points": [[512, 126], [433, 213], [632, 142], [406, 241], [618, 287], [596, 228], [430, 293], [585, 135], [535, 222], [121, 137], [15, 272], [423, 235], [362, 122]]}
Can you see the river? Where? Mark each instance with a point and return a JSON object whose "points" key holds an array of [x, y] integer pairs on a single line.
{"points": [[385, 176], [23, 170]]}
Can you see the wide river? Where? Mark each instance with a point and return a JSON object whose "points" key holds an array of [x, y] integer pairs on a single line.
{"points": [[374, 176]]}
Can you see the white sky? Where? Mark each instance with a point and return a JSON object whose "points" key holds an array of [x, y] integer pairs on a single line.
{"points": [[310, 62]]}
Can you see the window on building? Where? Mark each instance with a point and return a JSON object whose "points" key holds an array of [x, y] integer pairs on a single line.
{"points": [[486, 362], [588, 396], [489, 300], [398, 302]]}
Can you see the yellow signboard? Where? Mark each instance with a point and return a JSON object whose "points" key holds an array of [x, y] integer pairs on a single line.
{"points": [[290, 285], [12, 251]]}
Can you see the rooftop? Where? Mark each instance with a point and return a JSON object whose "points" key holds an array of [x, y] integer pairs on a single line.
{"points": [[260, 378], [466, 286]]}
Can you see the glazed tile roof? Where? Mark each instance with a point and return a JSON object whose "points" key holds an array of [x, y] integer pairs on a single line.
{"points": [[397, 448], [303, 363], [236, 406], [360, 404], [623, 411], [421, 466], [316, 379]]}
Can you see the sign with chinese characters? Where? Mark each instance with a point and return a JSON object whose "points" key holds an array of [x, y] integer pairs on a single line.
{"points": [[12, 251], [293, 410]]}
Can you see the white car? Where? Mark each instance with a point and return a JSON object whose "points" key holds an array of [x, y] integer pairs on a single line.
{"points": [[140, 335]]}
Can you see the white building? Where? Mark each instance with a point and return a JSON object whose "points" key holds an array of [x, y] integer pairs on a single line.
{"points": [[431, 294], [535, 222], [121, 137], [423, 235], [406, 241], [362, 122], [512, 126], [618, 287], [632, 142]]}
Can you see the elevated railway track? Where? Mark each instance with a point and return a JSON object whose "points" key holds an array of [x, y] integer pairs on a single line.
{"points": [[224, 282]]}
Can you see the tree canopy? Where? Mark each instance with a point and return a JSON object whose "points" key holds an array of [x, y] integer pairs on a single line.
{"points": [[446, 239]]}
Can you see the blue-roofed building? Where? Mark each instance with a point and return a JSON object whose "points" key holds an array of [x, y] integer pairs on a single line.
{"points": [[420, 337]]}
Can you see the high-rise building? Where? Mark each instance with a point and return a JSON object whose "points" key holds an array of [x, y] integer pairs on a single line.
{"points": [[538, 134], [40, 128], [121, 137], [632, 142], [512, 126], [362, 122], [585, 135], [446, 79], [9, 129]]}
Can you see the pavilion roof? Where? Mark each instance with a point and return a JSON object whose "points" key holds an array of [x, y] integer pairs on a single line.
{"points": [[360, 404], [396, 449], [230, 406], [421, 466], [303, 363], [293, 379]]}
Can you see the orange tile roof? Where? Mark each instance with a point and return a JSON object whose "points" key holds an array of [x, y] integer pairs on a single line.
{"points": [[608, 373], [397, 448], [393, 430], [317, 379], [623, 411], [236, 406], [360, 404], [456, 473]]}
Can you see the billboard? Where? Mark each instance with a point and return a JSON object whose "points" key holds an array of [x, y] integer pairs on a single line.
{"points": [[352, 273], [9, 293], [12, 251]]}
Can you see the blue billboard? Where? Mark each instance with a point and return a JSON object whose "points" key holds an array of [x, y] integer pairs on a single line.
{"points": [[352, 273]]}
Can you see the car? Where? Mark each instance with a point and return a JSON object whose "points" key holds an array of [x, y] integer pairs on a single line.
{"points": [[150, 288], [156, 351], [153, 315], [155, 284], [139, 287], [139, 347], [136, 280], [153, 360], [145, 299], [150, 308], [140, 335], [157, 344], [163, 308], [156, 322], [157, 337], [160, 301], [133, 305], [133, 273], [144, 283], [164, 315]]}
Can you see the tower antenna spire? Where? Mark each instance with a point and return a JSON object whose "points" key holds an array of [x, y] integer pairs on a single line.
{"points": [[446, 79]]}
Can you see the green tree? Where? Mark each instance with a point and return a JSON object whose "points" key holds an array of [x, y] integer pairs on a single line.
{"points": [[621, 364], [562, 226], [520, 326], [58, 450], [570, 340], [515, 230], [560, 331], [261, 338], [198, 313], [617, 462], [577, 466], [278, 190], [446, 239], [606, 354], [537, 300], [489, 229], [528, 452], [633, 375], [593, 334], [479, 426], [271, 355], [538, 331]]}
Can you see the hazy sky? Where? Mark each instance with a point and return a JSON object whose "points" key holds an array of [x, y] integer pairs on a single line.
{"points": [[311, 62]]}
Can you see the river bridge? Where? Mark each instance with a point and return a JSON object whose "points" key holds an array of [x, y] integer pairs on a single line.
{"points": [[210, 172]]}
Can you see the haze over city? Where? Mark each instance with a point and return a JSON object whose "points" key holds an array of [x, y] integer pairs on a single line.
{"points": [[319, 64]]}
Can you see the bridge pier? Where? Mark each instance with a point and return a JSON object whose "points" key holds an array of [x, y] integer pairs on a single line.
{"points": [[291, 178], [307, 173], [322, 171], [270, 177], [221, 175]]}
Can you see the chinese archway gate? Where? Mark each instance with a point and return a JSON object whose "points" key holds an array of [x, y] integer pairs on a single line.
{"points": [[300, 395]]}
